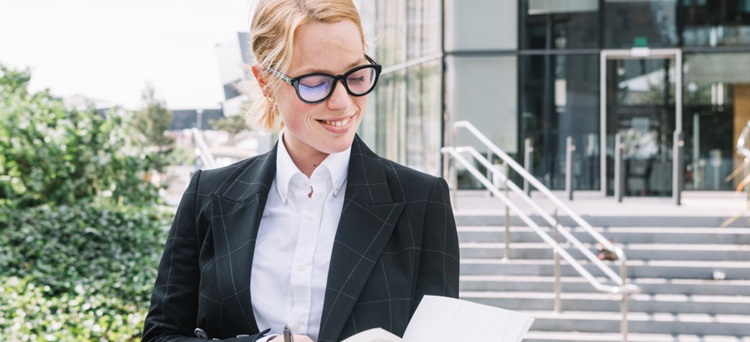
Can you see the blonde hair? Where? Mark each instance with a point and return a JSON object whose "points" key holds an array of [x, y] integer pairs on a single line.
{"points": [[272, 32]]}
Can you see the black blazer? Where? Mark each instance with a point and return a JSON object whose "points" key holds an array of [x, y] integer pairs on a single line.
{"points": [[396, 241]]}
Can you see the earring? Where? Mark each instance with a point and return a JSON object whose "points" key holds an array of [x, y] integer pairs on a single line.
{"points": [[269, 99]]}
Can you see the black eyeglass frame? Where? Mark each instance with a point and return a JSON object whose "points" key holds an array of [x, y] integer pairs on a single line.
{"points": [[294, 82]]}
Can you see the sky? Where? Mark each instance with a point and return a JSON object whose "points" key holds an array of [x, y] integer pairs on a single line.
{"points": [[111, 49]]}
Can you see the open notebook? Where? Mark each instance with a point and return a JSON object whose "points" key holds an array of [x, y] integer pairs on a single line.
{"points": [[449, 319]]}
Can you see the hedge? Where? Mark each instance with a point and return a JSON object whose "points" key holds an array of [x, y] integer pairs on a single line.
{"points": [[78, 273]]}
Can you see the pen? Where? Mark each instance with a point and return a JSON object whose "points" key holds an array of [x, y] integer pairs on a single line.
{"points": [[287, 334]]}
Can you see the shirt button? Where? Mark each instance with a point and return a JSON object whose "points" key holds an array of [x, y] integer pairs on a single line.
{"points": [[301, 267], [297, 326], [310, 216]]}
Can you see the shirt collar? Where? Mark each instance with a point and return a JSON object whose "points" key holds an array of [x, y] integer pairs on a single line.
{"points": [[337, 165]]}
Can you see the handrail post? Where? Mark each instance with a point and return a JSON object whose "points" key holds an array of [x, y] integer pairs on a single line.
{"points": [[448, 165], [453, 171], [624, 323], [624, 301], [618, 168], [489, 172], [621, 288], [677, 176], [507, 215], [570, 147], [528, 161], [556, 254]]}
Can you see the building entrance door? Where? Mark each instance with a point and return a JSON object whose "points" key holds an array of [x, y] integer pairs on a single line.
{"points": [[641, 99]]}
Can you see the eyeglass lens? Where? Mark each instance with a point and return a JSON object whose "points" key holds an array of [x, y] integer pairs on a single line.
{"points": [[358, 82]]}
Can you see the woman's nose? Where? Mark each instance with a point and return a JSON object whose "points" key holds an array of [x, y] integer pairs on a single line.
{"points": [[340, 97]]}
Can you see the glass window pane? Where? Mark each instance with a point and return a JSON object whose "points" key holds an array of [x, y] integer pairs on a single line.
{"points": [[640, 23], [404, 112], [385, 124], [553, 24], [641, 108], [560, 98], [424, 25], [716, 23], [716, 101], [391, 32], [424, 117]]}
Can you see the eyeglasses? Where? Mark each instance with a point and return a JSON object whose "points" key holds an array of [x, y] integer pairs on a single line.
{"points": [[317, 87]]}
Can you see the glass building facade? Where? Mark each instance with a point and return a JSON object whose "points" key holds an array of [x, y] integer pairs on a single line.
{"points": [[574, 55], [404, 119], [546, 70]]}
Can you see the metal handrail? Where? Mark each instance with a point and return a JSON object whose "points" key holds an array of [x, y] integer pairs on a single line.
{"points": [[201, 149], [738, 170], [622, 287]]}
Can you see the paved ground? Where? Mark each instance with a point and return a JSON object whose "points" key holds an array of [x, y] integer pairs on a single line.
{"points": [[711, 208], [703, 208]]}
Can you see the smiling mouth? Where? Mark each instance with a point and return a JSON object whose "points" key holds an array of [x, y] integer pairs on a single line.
{"points": [[337, 123]]}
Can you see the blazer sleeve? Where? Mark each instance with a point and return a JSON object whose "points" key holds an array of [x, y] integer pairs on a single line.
{"points": [[174, 308], [439, 259]]}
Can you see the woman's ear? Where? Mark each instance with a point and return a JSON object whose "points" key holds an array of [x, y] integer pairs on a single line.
{"points": [[260, 78]]}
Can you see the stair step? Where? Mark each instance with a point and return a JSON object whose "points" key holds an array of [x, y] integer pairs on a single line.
{"points": [[556, 336], [643, 323], [578, 284], [620, 235], [644, 220], [596, 301], [694, 277], [636, 268], [540, 250]]}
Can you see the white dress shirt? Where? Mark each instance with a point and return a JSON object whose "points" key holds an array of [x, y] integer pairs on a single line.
{"points": [[294, 244]]}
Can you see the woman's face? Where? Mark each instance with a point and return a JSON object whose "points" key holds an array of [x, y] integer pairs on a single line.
{"points": [[315, 130]]}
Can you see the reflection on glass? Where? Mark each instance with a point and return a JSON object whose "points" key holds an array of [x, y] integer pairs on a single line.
{"points": [[391, 32], [644, 81], [640, 107], [717, 101], [555, 24], [560, 98], [423, 121], [639, 23], [404, 112], [424, 26], [716, 23]]}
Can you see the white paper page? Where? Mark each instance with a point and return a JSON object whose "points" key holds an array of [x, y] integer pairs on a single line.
{"points": [[450, 319], [373, 335]]}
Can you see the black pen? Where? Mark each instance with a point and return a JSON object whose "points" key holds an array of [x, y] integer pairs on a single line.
{"points": [[287, 334]]}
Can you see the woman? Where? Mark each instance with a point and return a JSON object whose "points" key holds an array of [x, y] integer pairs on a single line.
{"points": [[320, 234]]}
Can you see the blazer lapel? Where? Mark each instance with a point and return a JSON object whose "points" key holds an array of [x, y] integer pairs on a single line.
{"points": [[239, 208], [367, 220]]}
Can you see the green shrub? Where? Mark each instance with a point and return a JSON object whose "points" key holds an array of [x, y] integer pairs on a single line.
{"points": [[80, 272], [52, 154], [29, 312], [81, 230]]}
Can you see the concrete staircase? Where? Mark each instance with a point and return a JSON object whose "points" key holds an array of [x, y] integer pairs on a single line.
{"points": [[695, 280]]}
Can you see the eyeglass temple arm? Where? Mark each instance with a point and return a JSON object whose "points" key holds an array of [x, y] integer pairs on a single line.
{"points": [[283, 77]]}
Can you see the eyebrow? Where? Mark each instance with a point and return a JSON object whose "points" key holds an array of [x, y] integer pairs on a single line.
{"points": [[305, 71]]}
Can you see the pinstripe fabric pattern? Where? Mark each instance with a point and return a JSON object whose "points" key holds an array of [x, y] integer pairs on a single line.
{"points": [[396, 241]]}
